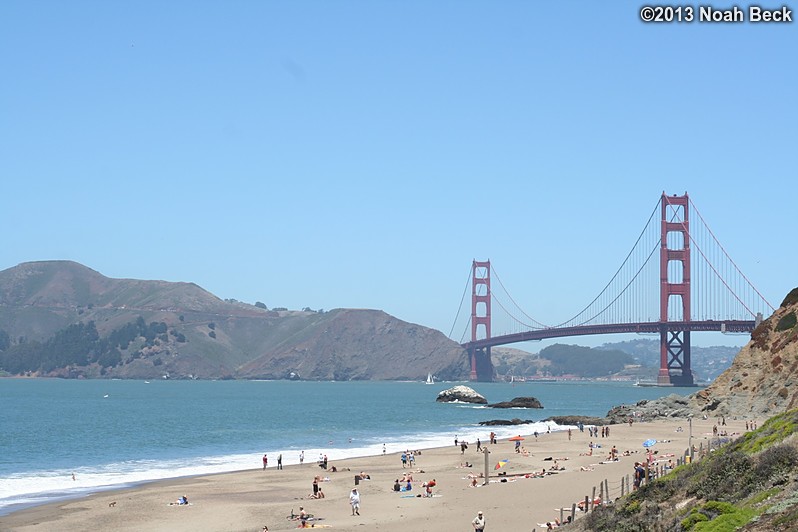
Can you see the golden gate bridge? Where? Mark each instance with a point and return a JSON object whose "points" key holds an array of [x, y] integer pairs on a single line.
{"points": [[677, 279]]}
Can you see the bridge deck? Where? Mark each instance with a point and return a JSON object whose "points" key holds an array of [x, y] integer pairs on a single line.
{"points": [[584, 330]]}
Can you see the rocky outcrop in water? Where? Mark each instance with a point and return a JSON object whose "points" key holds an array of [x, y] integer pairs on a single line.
{"points": [[464, 394], [518, 402], [505, 422]]}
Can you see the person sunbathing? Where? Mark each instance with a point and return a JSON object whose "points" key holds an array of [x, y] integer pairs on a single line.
{"points": [[182, 501]]}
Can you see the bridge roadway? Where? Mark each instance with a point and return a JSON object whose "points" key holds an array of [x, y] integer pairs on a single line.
{"points": [[735, 326]]}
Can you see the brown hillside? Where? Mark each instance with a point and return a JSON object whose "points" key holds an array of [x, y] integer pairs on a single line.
{"points": [[202, 336], [363, 344]]}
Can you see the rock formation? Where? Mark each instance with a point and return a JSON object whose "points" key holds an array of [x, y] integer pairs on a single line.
{"points": [[519, 402], [504, 422], [463, 394]]}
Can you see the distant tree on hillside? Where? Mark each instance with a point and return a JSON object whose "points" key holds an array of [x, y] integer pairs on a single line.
{"points": [[5, 340], [261, 305]]}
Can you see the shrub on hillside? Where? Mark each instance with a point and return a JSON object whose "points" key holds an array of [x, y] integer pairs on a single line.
{"points": [[776, 462], [723, 479], [786, 322]]}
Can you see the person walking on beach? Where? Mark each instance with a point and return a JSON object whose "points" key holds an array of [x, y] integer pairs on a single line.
{"points": [[265, 462], [280, 461], [301, 457], [383, 449], [354, 501], [479, 522]]}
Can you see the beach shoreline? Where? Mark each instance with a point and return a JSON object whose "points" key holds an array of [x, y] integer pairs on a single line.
{"points": [[250, 499]]}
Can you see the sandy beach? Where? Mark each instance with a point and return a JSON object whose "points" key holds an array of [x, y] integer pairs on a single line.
{"points": [[248, 500]]}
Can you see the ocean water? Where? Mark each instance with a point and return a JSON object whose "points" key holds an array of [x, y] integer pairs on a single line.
{"points": [[115, 433]]}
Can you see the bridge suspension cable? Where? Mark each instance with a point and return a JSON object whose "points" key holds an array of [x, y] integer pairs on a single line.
{"points": [[535, 323], [460, 307], [743, 284], [652, 242]]}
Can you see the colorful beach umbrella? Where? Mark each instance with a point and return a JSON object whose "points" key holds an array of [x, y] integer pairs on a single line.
{"points": [[649, 443], [501, 464], [516, 438]]}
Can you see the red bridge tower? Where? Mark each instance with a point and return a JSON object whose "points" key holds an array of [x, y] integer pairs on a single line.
{"points": [[481, 366], [674, 339]]}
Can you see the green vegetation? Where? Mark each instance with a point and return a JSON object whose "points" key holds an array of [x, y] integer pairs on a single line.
{"points": [[261, 305], [80, 345], [786, 322], [5, 340], [575, 359], [715, 516], [774, 430], [751, 479]]}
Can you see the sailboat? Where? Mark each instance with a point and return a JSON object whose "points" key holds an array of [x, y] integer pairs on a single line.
{"points": [[430, 379]]}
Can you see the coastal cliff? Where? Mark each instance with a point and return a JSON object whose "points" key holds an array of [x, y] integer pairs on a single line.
{"points": [[62, 319], [761, 379], [759, 383]]}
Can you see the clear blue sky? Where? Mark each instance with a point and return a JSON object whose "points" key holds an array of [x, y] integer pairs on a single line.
{"points": [[361, 154]]}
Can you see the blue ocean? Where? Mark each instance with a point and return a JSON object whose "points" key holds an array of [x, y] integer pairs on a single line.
{"points": [[117, 433]]}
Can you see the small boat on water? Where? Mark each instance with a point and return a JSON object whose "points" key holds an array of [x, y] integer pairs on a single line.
{"points": [[430, 379]]}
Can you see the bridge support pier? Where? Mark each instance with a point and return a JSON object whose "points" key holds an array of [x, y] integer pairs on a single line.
{"points": [[481, 365], [675, 358]]}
